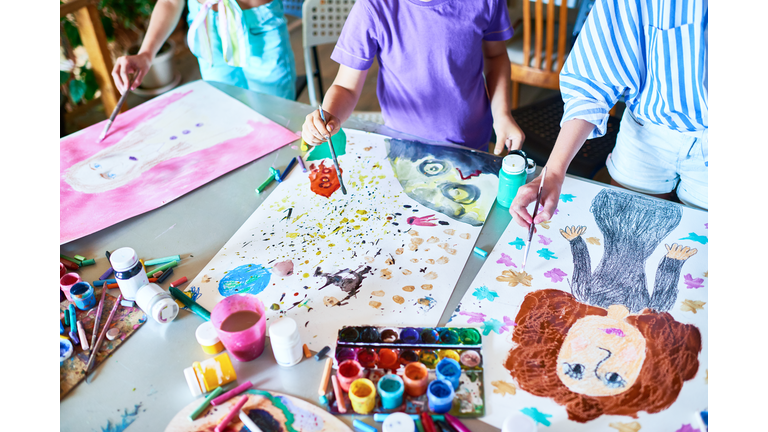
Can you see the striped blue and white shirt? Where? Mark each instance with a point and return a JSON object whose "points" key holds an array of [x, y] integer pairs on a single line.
{"points": [[653, 52]]}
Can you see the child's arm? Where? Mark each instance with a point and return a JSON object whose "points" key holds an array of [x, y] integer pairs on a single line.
{"points": [[338, 105], [164, 18], [497, 73]]}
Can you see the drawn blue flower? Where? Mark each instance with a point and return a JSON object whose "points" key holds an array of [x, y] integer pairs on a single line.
{"points": [[492, 325], [518, 243], [695, 237], [484, 293], [537, 416], [567, 197], [546, 254]]}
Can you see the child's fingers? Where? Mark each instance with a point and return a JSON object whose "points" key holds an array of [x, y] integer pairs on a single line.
{"points": [[320, 128], [116, 75], [499, 146]]}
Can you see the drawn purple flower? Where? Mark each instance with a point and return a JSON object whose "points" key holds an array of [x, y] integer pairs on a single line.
{"points": [[706, 226], [687, 428], [544, 240], [506, 260], [185, 132], [693, 283], [132, 158], [474, 317], [173, 137], [556, 275], [507, 323]]}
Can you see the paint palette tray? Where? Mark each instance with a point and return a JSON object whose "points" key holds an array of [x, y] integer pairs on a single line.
{"points": [[388, 350]]}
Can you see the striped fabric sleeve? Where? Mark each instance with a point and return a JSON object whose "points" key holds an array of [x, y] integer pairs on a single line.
{"points": [[604, 63]]}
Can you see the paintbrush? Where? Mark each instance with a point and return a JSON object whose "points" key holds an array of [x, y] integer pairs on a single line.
{"points": [[535, 211], [97, 319], [101, 339], [333, 154], [116, 110]]}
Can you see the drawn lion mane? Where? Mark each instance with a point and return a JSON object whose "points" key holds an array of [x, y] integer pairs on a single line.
{"points": [[543, 322]]}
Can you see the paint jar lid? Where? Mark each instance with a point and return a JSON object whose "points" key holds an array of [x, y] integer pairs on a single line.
{"points": [[192, 381], [513, 164], [157, 303], [123, 259], [519, 422], [398, 422], [206, 334], [284, 332]]}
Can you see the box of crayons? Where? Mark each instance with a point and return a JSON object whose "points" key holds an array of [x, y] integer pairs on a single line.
{"points": [[407, 369]]}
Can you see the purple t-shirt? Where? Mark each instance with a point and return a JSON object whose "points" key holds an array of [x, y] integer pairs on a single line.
{"points": [[430, 58]]}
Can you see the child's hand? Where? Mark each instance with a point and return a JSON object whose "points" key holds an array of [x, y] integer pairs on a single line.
{"points": [[315, 132], [508, 134], [126, 65], [527, 194]]}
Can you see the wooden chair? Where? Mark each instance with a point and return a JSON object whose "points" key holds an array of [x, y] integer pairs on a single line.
{"points": [[543, 68]]}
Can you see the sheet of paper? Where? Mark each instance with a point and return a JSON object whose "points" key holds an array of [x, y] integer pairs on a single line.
{"points": [[374, 256], [157, 152], [567, 341]]}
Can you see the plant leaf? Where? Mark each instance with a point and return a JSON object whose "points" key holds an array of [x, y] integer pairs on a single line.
{"points": [[77, 90], [63, 77]]}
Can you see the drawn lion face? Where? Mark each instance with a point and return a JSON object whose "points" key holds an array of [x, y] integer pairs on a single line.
{"points": [[595, 361]]}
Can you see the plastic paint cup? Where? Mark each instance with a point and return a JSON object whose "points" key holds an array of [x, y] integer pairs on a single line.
{"points": [[429, 358], [448, 336], [345, 354], [430, 336], [370, 335], [469, 336], [408, 356], [512, 175], [82, 294], [208, 339], [398, 422], [448, 353], [410, 335], [349, 371], [470, 358], [416, 378], [391, 389], [449, 370], [362, 395], [62, 270], [367, 358], [440, 395], [239, 321], [206, 375], [66, 282], [349, 334], [389, 336], [388, 359]]}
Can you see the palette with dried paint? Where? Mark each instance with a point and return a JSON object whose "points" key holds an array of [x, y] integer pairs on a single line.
{"points": [[408, 369]]}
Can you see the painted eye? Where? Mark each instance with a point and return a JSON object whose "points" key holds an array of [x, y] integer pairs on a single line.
{"points": [[613, 380], [431, 168], [460, 193], [97, 166], [574, 370]]}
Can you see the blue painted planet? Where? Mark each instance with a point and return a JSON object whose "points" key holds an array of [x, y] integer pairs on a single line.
{"points": [[246, 279]]}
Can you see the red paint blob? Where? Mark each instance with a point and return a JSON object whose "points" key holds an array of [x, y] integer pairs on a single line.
{"points": [[323, 180]]}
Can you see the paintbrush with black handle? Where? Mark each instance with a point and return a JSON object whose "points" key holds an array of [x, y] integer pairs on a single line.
{"points": [[535, 212]]}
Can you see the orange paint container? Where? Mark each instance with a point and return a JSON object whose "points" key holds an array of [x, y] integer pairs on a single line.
{"points": [[388, 359], [416, 379]]}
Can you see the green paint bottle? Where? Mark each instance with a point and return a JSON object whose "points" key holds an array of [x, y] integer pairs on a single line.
{"points": [[511, 177]]}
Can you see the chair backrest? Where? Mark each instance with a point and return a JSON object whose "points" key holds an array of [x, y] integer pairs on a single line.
{"points": [[540, 70], [322, 21], [292, 7]]}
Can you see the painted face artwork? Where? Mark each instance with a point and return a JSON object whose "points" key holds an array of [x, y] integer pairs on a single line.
{"points": [[460, 184], [601, 355]]}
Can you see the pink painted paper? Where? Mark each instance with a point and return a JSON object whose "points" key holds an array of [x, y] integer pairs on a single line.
{"points": [[82, 213]]}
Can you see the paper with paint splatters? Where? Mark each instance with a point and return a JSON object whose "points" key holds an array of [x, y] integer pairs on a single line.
{"points": [[157, 152], [373, 256], [616, 231]]}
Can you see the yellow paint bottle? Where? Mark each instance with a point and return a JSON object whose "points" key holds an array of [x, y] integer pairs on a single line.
{"points": [[208, 339], [205, 376], [362, 394]]}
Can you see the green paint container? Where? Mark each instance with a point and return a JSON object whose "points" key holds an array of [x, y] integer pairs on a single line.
{"points": [[511, 177]]}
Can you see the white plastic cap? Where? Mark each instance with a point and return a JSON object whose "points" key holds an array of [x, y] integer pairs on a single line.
{"points": [[514, 164], [284, 331], [398, 422], [206, 334], [123, 259], [194, 385], [154, 301], [165, 310], [519, 422]]}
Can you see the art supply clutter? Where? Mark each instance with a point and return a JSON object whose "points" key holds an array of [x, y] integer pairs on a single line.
{"points": [[409, 370]]}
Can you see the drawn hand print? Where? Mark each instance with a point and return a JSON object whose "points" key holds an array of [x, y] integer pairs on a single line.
{"points": [[571, 233]]}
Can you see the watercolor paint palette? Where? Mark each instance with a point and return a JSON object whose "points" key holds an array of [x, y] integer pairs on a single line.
{"points": [[379, 351]]}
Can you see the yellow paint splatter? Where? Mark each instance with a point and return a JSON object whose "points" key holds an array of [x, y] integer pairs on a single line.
{"points": [[504, 388], [397, 299], [706, 377], [433, 239], [306, 275], [427, 287], [414, 260], [330, 301], [407, 272], [377, 293], [593, 240], [430, 276], [299, 217], [450, 231], [386, 274], [430, 261], [442, 260], [465, 236], [205, 279], [545, 224], [399, 251], [292, 235], [409, 288], [414, 233], [692, 305], [319, 252], [362, 212], [706, 274], [368, 259], [513, 278], [374, 304], [626, 427]]}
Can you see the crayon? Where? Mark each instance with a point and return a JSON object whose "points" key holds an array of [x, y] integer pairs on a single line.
{"points": [[165, 260], [232, 393], [217, 391], [301, 164], [79, 257], [178, 282], [480, 252], [70, 259], [341, 404], [307, 353], [362, 426], [280, 177], [87, 262], [266, 183], [165, 276], [248, 422], [164, 267], [157, 274], [69, 264], [322, 353], [324, 379], [231, 415], [101, 282], [426, 421], [106, 275], [456, 423]]}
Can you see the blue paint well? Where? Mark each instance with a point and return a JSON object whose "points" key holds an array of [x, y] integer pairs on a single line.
{"points": [[248, 278]]}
